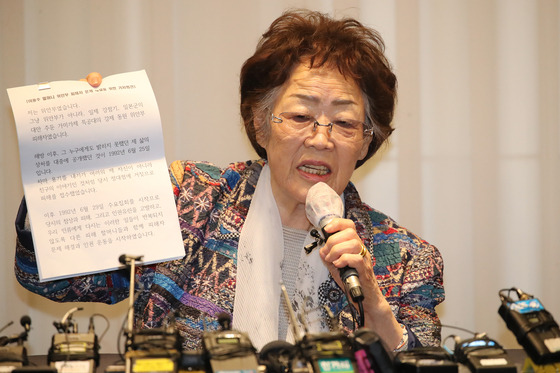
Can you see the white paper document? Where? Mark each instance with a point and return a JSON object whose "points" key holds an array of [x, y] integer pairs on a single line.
{"points": [[94, 174]]}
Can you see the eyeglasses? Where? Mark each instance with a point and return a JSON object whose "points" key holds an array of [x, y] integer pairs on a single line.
{"points": [[342, 129]]}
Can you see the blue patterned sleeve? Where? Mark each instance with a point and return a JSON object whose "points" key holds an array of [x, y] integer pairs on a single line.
{"points": [[110, 287], [409, 272], [422, 290]]}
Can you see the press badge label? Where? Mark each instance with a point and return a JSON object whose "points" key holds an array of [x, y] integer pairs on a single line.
{"points": [[338, 365], [526, 306]]}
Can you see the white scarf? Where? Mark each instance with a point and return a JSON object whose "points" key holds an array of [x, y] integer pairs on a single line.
{"points": [[259, 255]]}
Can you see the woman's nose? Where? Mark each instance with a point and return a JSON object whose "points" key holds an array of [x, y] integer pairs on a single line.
{"points": [[320, 136]]}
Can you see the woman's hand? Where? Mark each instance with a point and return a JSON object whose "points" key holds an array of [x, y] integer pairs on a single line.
{"points": [[343, 248], [94, 79]]}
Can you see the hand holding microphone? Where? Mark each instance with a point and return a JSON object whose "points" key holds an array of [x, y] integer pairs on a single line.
{"points": [[322, 205]]}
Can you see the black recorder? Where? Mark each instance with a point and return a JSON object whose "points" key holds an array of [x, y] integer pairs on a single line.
{"points": [[533, 326], [150, 348], [328, 352], [425, 360], [229, 350], [482, 354], [69, 348]]}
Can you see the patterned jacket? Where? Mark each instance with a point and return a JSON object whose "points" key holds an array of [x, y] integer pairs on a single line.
{"points": [[212, 205]]}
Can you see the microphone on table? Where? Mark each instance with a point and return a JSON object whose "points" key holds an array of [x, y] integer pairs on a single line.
{"points": [[126, 259], [13, 352], [25, 321], [228, 350], [312, 352], [69, 347], [322, 205], [533, 326], [66, 324]]}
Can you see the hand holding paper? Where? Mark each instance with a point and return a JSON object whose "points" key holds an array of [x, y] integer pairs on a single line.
{"points": [[94, 174]]}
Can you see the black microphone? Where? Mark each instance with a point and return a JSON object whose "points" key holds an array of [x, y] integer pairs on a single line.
{"points": [[125, 259], [224, 320], [278, 356], [322, 205], [25, 321], [533, 326]]}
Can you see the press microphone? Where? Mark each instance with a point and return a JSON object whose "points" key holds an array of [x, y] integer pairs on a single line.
{"points": [[25, 321], [279, 357], [66, 325], [13, 352], [69, 346], [482, 354], [228, 350], [125, 259], [224, 320], [322, 205], [533, 326], [68, 315]]}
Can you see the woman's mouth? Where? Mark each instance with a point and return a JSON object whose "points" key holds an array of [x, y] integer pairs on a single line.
{"points": [[314, 169]]}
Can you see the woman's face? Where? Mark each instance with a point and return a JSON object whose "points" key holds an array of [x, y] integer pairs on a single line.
{"points": [[300, 158]]}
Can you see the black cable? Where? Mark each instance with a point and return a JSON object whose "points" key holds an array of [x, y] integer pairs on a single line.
{"points": [[456, 338], [352, 311], [356, 319], [361, 319], [458, 328]]}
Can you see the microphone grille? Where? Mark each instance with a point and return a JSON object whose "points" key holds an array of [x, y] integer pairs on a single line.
{"points": [[322, 204]]}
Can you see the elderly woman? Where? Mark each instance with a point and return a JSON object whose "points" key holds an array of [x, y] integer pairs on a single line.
{"points": [[317, 101]]}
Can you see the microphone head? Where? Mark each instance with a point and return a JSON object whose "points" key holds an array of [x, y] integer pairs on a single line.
{"points": [[322, 204], [125, 259], [277, 355], [224, 320], [25, 321]]}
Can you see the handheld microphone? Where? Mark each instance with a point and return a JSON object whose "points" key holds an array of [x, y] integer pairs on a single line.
{"points": [[322, 205]]}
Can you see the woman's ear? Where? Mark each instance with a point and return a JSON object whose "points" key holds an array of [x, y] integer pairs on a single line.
{"points": [[261, 131], [365, 147]]}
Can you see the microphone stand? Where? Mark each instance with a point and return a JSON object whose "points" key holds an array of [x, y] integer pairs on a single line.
{"points": [[130, 261], [130, 321]]}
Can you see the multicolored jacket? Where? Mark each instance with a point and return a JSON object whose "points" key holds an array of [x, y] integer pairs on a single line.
{"points": [[212, 205]]}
